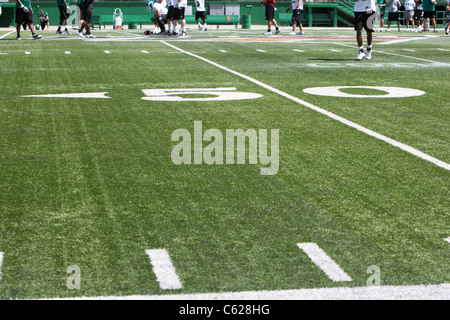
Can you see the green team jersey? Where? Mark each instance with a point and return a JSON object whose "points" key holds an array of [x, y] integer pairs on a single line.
{"points": [[428, 6], [42, 17], [61, 2], [26, 3]]}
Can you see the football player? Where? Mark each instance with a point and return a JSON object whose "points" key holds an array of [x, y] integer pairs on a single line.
{"points": [[64, 13], [200, 14], [160, 16], [297, 8], [179, 7], [365, 14], [24, 14]]}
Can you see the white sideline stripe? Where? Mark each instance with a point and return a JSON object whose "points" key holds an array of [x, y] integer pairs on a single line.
{"points": [[7, 34], [324, 262], [90, 95], [297, 50], [448, 239], [398, 55], [164, 269], [1, 261], [259, 50], [418, 292], [349, 123]]}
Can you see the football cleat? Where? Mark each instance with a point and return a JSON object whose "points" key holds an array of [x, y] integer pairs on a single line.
{"points": [[277, 31], [36, 36], [360, 55], [369, 54], [267, 32]]}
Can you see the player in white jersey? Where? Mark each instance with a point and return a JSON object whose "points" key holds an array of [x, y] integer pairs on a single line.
{"points": [[200, 13], [365, 14], [178, 15], [297, 9], [159, 18]]}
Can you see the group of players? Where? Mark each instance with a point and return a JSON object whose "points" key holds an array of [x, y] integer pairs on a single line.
{"points": [[172, 12], [417, 13], [24, 17]]}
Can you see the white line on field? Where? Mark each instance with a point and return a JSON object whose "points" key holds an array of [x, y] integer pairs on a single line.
{"points": [[164, 269], [297, 50], [440, 49], [418, 292], [27, 52], [398, 55], [7, 34], [3, 53], [259, 50], [107, 52], [335, 50], [448, 239], [324, 262], [349, 123], [409, 50], [1, 261], [224, 51], [67, 52], [144, 51]]}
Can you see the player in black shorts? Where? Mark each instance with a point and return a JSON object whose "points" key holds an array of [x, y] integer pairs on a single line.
{"points": [[86, 9], [365, 14], [24, 15], [270, 16]]}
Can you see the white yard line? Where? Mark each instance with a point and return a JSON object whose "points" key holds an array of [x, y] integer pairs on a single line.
{"points": [[448, 239], [324, 262], [1, 262], [144, 51], [107, 52], [7, 34], [297, 50], [259, 50], [164, 269], [418, 292], [398, 55], [349, 123]]}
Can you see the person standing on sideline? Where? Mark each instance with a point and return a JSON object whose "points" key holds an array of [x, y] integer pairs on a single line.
{"points": [[297, 8], [64, 13], [24, 15], [418, 15], [365, 14], [86, 9], [393, 15], [270, 16], [429, 12], [410, 5], [200, 13], [447, 18], [382, 8], [179, 7]]}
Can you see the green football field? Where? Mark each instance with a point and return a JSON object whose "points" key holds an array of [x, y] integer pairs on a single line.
{"points": [[93, 202]]}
